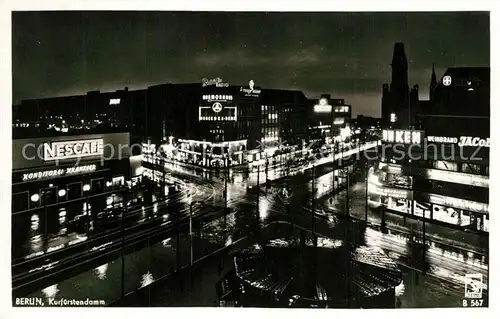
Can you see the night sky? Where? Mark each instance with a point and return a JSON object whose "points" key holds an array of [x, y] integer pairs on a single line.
{"points": [[345, 54]]}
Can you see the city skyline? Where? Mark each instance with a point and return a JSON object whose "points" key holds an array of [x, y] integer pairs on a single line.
{"points": [[70, 53]]}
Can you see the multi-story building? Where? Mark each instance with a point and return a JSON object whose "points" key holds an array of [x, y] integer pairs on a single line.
{"points": [[439, 167], [327, 118], [205, 123], [60, 181]]}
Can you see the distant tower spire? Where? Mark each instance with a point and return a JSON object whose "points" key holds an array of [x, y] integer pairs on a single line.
{"points": [[433, 77]]}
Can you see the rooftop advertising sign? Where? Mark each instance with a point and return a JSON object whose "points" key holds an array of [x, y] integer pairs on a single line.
{"points": [[390, 192], [215, 81], [42, 152]]}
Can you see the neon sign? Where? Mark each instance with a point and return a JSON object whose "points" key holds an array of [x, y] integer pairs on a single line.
{"points": [[217, 107], [250, 91], [442, 139], [217, 97], [322, 106], [215, 81], [402, 136], [458, 203], [217, 112], [390, 192], [72, 149], [114, 101], [59, 172], [474, 141], [461, 141]]}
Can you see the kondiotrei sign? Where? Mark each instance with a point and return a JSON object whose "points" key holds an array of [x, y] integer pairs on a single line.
{"points": [[58, 172]]}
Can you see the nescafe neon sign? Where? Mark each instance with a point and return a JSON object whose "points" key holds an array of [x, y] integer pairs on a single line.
{"points": [[72, 149]]}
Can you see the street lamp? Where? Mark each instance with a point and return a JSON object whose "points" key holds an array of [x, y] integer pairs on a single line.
{"points": [[191, 238]]}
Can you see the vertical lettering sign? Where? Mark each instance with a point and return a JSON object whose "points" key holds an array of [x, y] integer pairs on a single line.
{"points": [[72, 149]]}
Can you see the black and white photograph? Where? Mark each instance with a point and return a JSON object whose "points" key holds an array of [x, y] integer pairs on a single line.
{"points": [[249, 159]]}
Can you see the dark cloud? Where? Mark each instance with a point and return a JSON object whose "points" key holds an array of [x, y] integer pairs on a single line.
{"points": [[345, 54]]}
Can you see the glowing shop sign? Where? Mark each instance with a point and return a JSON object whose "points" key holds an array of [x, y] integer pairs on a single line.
{"points": [[250, 91], [390, 192], [114, 101], [458, 178], [402, 136], [72, 149], [59, 172], [458, 203], [215, 81]]}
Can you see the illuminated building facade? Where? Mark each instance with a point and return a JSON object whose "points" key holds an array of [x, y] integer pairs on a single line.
{"points": [[78, 114], [440, 168], [210, 122], [327, 116], [58, 180]]}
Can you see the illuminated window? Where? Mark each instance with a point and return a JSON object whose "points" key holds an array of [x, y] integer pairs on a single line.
{"points": [[212, 96], [445, 165]]}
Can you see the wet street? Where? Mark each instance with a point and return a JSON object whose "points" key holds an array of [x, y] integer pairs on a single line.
{"points": [[153, 247]]}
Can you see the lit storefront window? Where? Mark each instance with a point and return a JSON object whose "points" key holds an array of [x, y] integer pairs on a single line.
{"points": [[445, 165]]}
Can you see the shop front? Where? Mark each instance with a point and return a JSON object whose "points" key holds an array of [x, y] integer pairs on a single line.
{"points": [[468, 214], [454, 211]]}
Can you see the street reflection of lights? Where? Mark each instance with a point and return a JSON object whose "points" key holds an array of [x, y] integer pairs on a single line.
{"points": [[147, 279], [101, 271], [51, 291]]}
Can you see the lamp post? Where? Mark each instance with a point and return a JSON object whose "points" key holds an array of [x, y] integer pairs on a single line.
{"points": [[312, 201], [366, 190], [191, 240]]}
